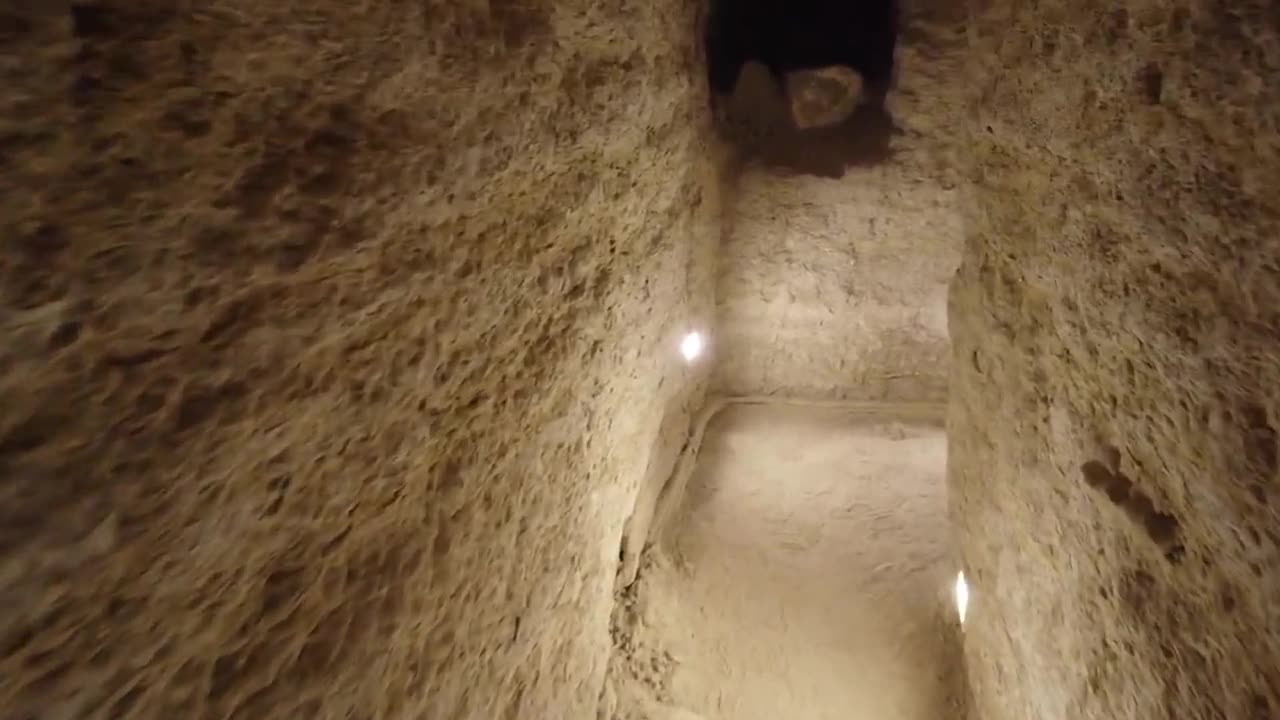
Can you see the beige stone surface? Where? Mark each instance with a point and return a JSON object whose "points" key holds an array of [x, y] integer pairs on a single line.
{"points": [[1116, 387], [837, 288], [807, 575], [329, 340]]}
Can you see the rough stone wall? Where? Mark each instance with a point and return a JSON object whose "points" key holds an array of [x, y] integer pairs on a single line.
{"points": [[328, 343], [826, 293], [832, 279], [1116, 396]]}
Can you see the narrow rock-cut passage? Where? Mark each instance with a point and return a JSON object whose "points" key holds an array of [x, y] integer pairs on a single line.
{"points": [[839, 242], [807, 576]]}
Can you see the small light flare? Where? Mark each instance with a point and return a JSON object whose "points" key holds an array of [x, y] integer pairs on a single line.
{"points": [[962, 596], [691, 346]]}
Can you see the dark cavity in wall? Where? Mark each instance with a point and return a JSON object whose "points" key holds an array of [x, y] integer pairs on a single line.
{"points": [[787, 36], [790, 35]]}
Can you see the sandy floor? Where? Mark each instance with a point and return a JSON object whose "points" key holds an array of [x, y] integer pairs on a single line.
{"points": [[807, 579]]}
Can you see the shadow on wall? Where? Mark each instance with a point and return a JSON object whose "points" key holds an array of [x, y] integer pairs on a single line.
{"points": [[862, 140], [670, 444]]}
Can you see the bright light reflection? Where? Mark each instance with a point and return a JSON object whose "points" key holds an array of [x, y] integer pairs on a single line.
{"points": [[962, 596], [691, 346]]}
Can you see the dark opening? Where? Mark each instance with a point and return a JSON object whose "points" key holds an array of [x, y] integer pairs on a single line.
{"points": [[786, 36], [789, 35]]}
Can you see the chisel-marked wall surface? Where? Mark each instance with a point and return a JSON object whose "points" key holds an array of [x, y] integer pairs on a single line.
{"points": [[334, 338], [1116, 387]]}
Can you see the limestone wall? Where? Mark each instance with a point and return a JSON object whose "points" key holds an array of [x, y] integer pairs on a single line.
{"points": [[329, 340], [826, 291], [1116, 386]]}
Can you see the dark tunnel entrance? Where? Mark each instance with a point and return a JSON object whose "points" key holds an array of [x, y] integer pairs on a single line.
{"points": [[790, 39], [790, 35]]}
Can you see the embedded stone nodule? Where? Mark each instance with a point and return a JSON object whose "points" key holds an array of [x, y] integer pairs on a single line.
{"points": [[823, 97]]}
